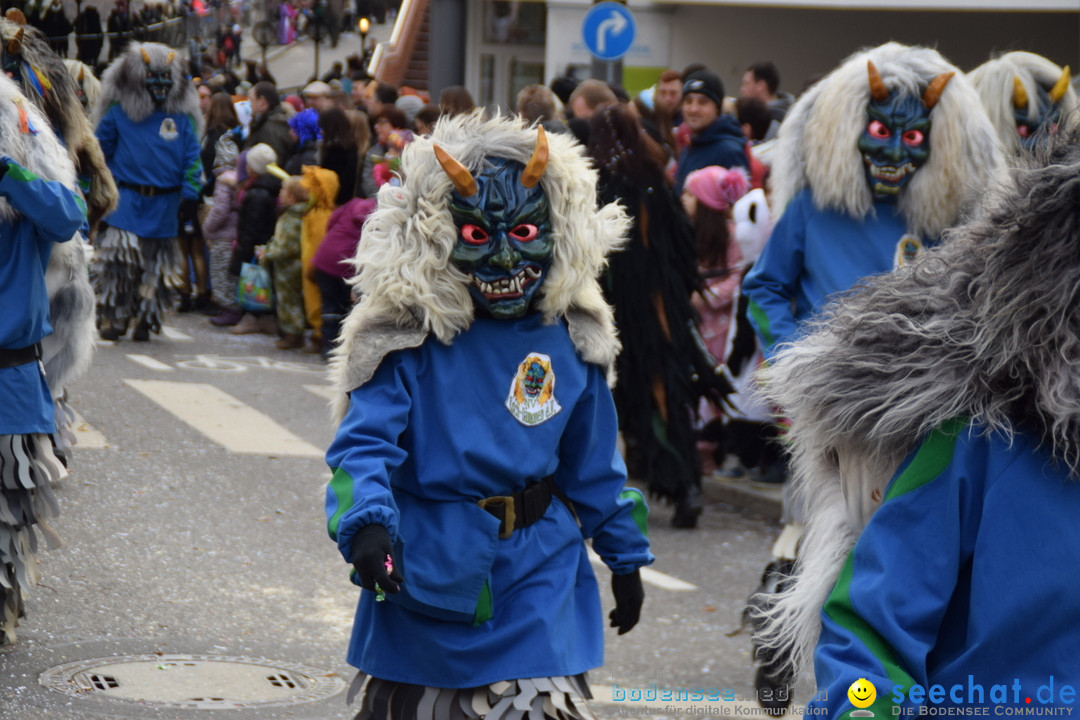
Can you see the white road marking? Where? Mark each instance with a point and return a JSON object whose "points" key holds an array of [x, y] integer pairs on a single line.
{"points": [[323, 391], [652, 577], [149, 362], [225, 420], [86, 435], [174, 334]]}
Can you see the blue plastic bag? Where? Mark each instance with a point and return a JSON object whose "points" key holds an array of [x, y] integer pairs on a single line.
{"points": [[254, 291]]}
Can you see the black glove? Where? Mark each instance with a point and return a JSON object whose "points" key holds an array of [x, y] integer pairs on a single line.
{"points": [[628, 598], [189, 210], [369, 551]]}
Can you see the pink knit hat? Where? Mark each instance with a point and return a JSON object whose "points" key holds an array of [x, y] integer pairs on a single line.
{"points": [[717, 187]]}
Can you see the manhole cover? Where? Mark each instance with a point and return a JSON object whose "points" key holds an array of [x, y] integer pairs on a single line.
{"points": [[194, 682]]}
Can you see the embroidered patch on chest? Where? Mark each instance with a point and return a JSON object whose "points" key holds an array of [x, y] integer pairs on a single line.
{"points": [[532, 392], [168, 130], [908, 250]]}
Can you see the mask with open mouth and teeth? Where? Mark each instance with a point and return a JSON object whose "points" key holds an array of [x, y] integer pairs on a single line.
{"points": [[895, 143], [504, 242]]}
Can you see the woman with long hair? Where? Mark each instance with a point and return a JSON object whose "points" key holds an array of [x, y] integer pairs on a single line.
{"points": [[339, 151], [221, 146], [221, 119], [649, 284]]}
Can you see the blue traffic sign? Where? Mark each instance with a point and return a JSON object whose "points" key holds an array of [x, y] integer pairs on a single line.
{"points": [[608, 30]]}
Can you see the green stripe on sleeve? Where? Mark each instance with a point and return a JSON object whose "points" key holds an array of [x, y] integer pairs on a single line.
{"points": [[18, 172], [762, 322], [933, 456], [931, 459], [342, 487], [640, 511]]}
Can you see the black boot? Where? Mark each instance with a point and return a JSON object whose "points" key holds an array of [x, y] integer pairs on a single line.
{"points": [[687, 509], [185, 303], [141, 333], [112, 332]]}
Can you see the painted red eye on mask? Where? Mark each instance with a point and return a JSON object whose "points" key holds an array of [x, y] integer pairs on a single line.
{"points": [[877, 129], [525, 233], [913, 137], [1023, 131], [473, 234]]}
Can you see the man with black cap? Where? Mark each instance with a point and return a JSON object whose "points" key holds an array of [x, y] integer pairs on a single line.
{"points": [[715, 137]]}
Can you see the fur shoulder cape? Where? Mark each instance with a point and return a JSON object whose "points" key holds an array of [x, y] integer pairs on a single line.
{"points": [[985, 326], [818, 143], [124, 82], [410, 289]]}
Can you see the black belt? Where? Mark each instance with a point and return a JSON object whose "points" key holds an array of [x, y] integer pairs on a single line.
{"points": [[21, 356], [523, 508], [148, 190]]}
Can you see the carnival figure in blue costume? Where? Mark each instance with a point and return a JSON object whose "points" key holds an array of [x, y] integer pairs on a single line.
{"points": [[873, 164], [148, 123], [476, 450], [947, 394], [40, 207], [1027, 97], [45, 81]]}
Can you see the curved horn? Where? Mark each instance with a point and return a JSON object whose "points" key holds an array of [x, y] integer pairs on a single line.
{"points": [[15, 43], [878, 91], [534, 170], [935, 88], [459, 174], [16, 16], [1020, 97], [1058, 91], [145, 55], [168, 60], [79, 79]]}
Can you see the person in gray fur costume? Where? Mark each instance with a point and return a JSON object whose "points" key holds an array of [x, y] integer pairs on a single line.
{"points": [[46, 81], [41, 210], [935, 423], [148, 123]]}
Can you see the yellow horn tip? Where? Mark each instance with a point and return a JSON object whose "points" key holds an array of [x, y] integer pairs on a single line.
{"points": [[1061, 86], [534, 170], [463, 180]]}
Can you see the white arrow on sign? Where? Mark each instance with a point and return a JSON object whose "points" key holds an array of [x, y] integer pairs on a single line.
{"points": [[613, 25]]}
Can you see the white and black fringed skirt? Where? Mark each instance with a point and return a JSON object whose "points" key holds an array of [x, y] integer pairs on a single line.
{"points": [[28, 467], [555, 698], [133, 277]]}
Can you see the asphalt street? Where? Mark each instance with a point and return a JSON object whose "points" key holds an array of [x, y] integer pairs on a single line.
{"points": [[192, 544]]}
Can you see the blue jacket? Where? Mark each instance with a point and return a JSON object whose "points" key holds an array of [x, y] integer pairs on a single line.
{"points": [[161, 151], [722, 143], [813, 254], [47, 213], [437, 429], [961, 584]]}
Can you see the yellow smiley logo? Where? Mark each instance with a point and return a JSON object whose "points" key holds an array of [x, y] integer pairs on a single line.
{"points": [[862, 693]]}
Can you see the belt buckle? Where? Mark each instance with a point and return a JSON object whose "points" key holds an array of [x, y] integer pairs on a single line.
{"points": [[509, 516]]}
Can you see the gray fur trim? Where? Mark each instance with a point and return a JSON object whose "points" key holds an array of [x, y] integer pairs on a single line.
{"points": [[554, 698], [404, 271], [67, 352], [984, 326], [124, 82], [66, 116], [993, 80], [817, 147]]}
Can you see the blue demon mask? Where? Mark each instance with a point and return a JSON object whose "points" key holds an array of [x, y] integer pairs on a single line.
{"points": [[1039, 116], [504, 241], [896, 141], [158, 81]]}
